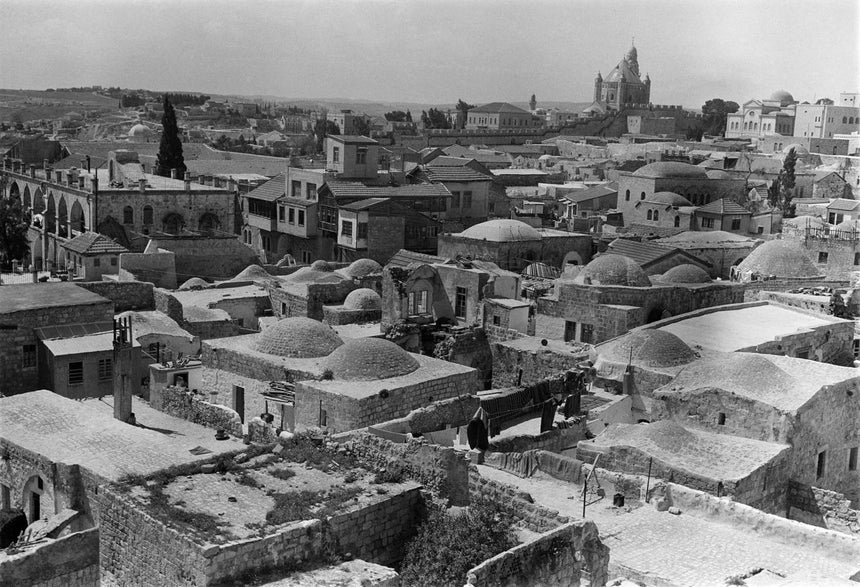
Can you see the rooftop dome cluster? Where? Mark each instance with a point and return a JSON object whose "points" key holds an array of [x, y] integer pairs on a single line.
{"points": [[609, 269], [369, 359], [780, 258], [502, 231], [647, 347], [298, 338]]}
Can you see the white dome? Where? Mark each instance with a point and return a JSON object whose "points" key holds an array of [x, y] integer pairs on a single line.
{"points": [[501, 231], [139, 130]]}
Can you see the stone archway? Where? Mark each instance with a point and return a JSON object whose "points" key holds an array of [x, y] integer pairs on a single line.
{"points": [[78, 219], [571, 258], [657, 313], [36, 499], [173, 223], [208, 222], [38, 201], [63, 217], [27, 201], [14, 191], [51, 214]]}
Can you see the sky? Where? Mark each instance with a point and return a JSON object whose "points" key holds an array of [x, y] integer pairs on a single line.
{"points": [[434, 51]]}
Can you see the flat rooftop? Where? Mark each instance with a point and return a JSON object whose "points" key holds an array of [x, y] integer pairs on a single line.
{"points": [[79, 345], [742, 328], [213, 295], [35, 296], [86, 433]]}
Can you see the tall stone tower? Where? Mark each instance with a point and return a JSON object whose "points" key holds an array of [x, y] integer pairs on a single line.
{"points": [[533, 103], [123, 369]]}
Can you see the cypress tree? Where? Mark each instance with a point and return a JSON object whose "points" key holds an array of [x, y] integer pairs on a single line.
{"points": [[170, 148]]}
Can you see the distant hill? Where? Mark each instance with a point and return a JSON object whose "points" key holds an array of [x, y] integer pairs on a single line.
{"points": [[22, 105]]}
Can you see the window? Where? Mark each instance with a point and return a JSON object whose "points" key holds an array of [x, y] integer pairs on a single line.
{"points": [[460, 303], [292, 216], [569, 331], [656, 215], [362, 230], [301, 221], [28, 356], [497, 320], [311, 191], [467, 200], [361, 156], [346, 228], [857, 258], [296, 189], [105, 369], [97, 262], [422, 302], [852, 459], [736, 223], [677, 221], [642, 196], [335, 155], [821, 465], [76, 373], [282, 213], [760, 230], [239, 401], [822, 256], [649, 215], [306, 256], [721, 419], [147, 215], [128, 215], [267, 243], [627, 195], [455, 200], [707, 222], [587, 334]]}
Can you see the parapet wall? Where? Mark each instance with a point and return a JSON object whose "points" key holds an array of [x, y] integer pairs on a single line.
{"points": [[125, 295], [453, 412], [819, 507], [559, 557], [182, 403], [537, 363], [71, 561]]}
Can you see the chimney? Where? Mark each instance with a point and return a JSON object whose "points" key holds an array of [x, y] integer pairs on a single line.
{"points": [[173, 173], [45, 164], [141, 184], [59, 173], [231, 184], [81, 179], [94, 181], [123, 369], [32, 171], [88, 163], [187, 181]]}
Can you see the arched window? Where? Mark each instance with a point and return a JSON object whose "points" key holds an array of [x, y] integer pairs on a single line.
{"points": [[649, 214], [844, 119], [128, 215], [656, 215], [147, 215], [677, 221], [627, 195], [642, 196], [850, 120]]}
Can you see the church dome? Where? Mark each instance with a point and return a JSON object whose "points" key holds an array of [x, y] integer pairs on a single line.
{"points": [[670, 199], [609, 269], [686, 273], [369, 359], [139, 131], [664, 169], [781, 259], [362, 299], [502, 231], [648, 347], [782, 97], [298, 338]]}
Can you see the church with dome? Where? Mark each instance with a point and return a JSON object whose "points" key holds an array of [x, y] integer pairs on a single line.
{"points": [[623, 85], [763, 117]]}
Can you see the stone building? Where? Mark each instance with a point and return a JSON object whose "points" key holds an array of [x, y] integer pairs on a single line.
{"points": [[91, 255], [306, 291], [784, 259], [760, 118], [24, 309], [513, 245], [832, 251], [612, 294], [501, 116], [721, 249], [623, 85], [360, 306], [655, 259]]}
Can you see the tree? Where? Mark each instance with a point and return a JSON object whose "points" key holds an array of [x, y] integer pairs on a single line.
{"points": [[462, 111], [361, 126], [395, 116], [715, 113], [322, 128], [408, 116], [447, 546], [13, 231], [434, 118], [787, 183], [170, 148]]}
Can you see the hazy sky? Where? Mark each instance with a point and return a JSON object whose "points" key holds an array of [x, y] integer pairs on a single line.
{"points": [[434, 51]]}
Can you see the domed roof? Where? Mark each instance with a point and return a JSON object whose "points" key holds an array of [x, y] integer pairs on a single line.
{"points": [[734, 372], [780, 258], [670, 199], [362, 298], [670, 169], [717, 174], [782, 97], [298, 338], [194, 283], [320, 265], [369, 359], [502, 230], [686, 273], [798, 149], [804, 220], [361, 268], [139, 130], [609, 269], [251, 273], [311, 275], [648, 347]]}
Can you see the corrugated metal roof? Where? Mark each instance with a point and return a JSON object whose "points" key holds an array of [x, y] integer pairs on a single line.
{"points": [[92, 343]]}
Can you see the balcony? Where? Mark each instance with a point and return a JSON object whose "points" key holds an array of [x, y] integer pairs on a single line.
{"points": [[263, 222]]}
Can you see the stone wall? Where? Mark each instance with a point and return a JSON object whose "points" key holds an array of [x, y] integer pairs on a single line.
{"points": [[823, 508], [752, 289], [335, 315], [536, 361], [157, 268], [182, 403], [443, 470], [125, 295], [470, 348], [453, 412], [167, 304], [558, 557], [519, 504], [555, 440], [70, 561], [295, 300], [500, 334]]}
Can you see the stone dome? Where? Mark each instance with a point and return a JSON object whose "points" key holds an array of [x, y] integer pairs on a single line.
{"points": [[647, 347], [798, 149], [670, 199], [781, 259], [139, 131], [717, 174], [609, 269], [782, 97], [320, 265], [686, 273], [251, 273], [662, 169], [298, 338], [369, 359], [361, 268], [735, 372], [502, 230], [363, 298], [194, 283]]}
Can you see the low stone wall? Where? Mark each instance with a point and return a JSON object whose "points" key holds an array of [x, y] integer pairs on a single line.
{"points": [[183, 403], [125, 295], [559, 557], [443, 470], [536, 361], [335, 315], [453, 412], [819, 507], [554, 440], [525, 463], [518, 504], [499, 334], [752, 289], [71, 561]]}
